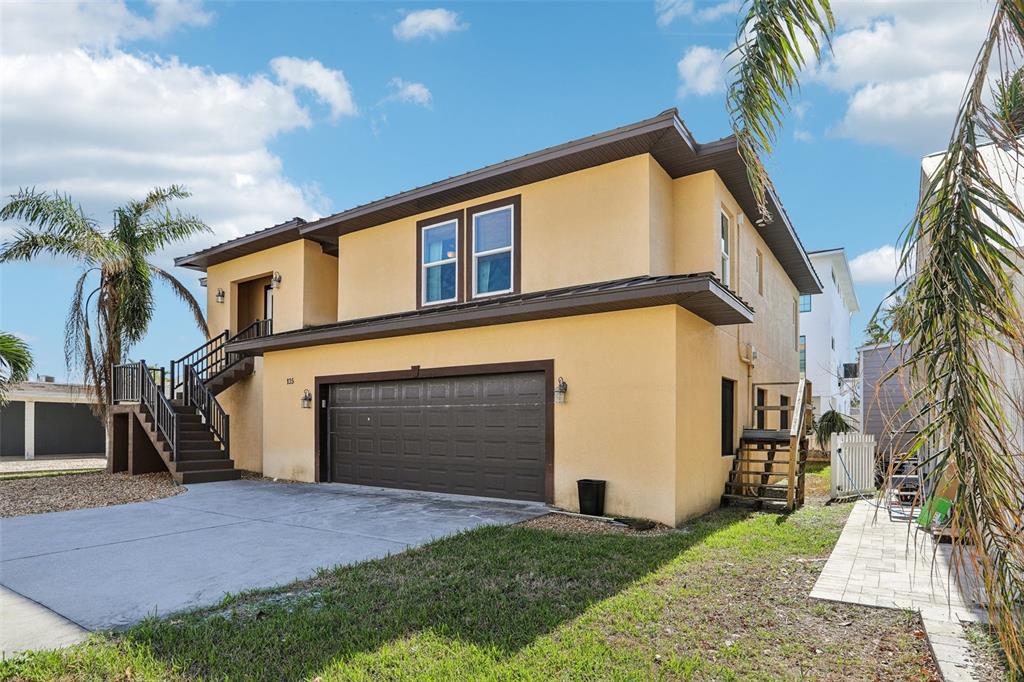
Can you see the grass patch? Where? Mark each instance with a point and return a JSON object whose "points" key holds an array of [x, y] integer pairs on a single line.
{"points": [[15, 475], [724, 599]]}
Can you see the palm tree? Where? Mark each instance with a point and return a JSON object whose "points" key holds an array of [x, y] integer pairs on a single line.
{"points": [[959, 305], [15, 363], [112, 304]]}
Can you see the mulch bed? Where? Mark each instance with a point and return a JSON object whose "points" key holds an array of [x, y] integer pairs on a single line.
{"points": [[564, 523], [81, 491]]}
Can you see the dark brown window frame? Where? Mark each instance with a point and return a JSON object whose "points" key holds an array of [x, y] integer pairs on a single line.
{"points": [[460, 255], [515, 201], [416, 372]]}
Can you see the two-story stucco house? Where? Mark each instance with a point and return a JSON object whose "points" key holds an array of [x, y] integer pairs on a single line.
{"points": [[825, 332], [606, 308]]}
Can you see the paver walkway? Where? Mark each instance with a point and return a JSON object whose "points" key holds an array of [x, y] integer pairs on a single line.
{"points": [[888, 563]]}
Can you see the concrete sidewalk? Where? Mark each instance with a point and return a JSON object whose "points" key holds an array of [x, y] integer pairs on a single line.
{"points": [[24, 624], [110, 567], [890, 564]]}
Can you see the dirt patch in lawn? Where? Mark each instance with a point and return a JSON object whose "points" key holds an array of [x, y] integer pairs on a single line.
{"points": [[81, 491], [564, 523]]}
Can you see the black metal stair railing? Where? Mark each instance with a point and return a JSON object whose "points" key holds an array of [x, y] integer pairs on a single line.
{"points": [[197, 395], [134, 382], [211, 358]]}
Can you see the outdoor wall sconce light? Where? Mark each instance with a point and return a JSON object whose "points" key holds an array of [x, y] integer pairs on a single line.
{"points": [[560, 390], [276, 279], [307, 399], [220, 295]]}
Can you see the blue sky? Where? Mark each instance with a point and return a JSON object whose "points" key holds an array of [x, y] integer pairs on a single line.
{"points": [[269, 110]]}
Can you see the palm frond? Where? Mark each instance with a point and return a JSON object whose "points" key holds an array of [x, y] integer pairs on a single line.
{"points": [[62, 229], [961, 313], [15, 363], [774, 41], [186, 297], [169, 229]]}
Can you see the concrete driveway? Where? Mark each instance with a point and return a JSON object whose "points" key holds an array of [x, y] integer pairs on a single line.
{"points": [[111, 567]]}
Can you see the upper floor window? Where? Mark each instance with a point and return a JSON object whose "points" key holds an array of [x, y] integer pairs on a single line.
{"points": [[439, 262], [726, 236], [803, 354], [805, 303], [492, 251], [493, 238]]}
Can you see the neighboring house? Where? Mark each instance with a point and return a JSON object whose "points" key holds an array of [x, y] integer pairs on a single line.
{"points": [[884, 392], [605, 308], [46, 418], [1004, 167], [825, 332]]}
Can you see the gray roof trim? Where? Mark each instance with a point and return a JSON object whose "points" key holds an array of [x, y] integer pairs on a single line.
{"points": [[702, 294]]}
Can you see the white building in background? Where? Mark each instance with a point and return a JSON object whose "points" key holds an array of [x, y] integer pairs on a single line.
{"points": [[825, 354]]}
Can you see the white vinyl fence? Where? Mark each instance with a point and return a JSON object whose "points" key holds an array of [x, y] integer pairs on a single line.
{"points": [[853, 464]]}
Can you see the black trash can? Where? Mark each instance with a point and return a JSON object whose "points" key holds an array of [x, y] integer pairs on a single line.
{"points": [[591, 493]]}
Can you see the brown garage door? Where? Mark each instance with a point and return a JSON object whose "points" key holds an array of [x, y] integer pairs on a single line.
{"points": [[471, 435]]}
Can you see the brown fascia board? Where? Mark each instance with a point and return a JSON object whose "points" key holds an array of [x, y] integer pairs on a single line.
{"points": [[251, 243], [701, 294], [664, 136]]}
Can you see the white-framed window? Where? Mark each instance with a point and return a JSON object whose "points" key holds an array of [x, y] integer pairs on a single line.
{"points": [[439, 262], [726, 260], [493, 257]]}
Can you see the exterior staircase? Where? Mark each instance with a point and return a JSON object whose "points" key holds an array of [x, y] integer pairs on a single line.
{"points": [[182, 418], [770, 465]]}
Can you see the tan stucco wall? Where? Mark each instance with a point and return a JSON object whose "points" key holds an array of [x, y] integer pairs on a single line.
{"points": [[618, 422], [244, 404], [644, 403], [307, 296], [587, 226]]}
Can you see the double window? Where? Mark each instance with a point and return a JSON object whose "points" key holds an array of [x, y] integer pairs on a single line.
{"points": [[805, 303], [486, 237]]}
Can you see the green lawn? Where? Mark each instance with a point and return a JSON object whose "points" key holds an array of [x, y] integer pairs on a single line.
{"points": [[724, 599]]}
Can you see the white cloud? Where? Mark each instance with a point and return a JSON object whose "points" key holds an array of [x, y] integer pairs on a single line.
{"points": [[914, 115], [33, 27], [878, 266], [903, 65], [702, 71], [105, 125], [801, 135], [329, 85], [412, 93], [428, 23], [668, 11]]}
